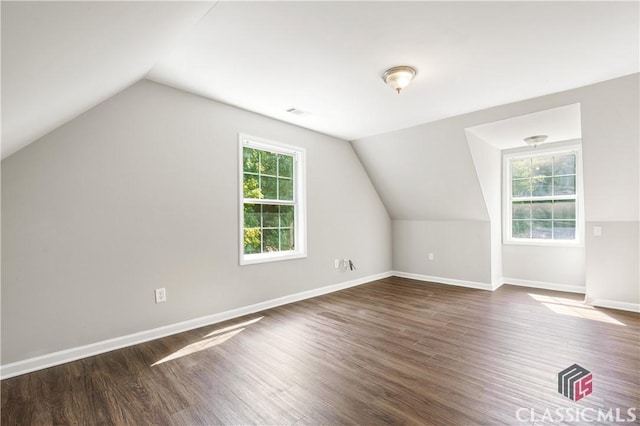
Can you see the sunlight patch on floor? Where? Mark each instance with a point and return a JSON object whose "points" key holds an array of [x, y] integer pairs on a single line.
{"points": [[574, 308], [212, 339], [233, 327]]}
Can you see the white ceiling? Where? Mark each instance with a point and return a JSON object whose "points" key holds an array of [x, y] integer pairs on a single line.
{"points": [[559, 124], [60, 59], [327, 58]]}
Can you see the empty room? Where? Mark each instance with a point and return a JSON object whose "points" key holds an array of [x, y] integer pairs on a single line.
{"points": [[320, 213]]}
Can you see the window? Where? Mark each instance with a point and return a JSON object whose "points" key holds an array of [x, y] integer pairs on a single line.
{"points": [[272, 193], [542, 197]]}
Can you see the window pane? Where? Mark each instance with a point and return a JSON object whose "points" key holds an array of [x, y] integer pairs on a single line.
{"points": [[564, 165], [286, 239], [252, 215], [270, 216], [269, 187], [564, 210], [564, 230], [541, 229], [520, 168], [268, 227], [285, 166], [252, 240], [541, 186], [541, 166], [536, 182], [521, 188], [250, 159], [269, 176], [521, 210], [285, 189], [565, 185], [521, 229], [541, 209], [286, 216], [269, 162], [251, 187], [271, 240]]}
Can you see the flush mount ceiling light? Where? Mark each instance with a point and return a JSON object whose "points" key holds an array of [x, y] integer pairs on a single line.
{"points": [[535, 140], [399, 77]]}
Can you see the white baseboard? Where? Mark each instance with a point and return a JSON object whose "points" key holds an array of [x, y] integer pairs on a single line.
{"points": [[614, 304], [545, 285], [497, 284], [449, 281], [60, 357]]}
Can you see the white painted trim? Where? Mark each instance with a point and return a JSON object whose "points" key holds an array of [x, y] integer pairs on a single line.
{"points": [[545, 285], [614, 304], [60, 357], [441, 280], [497, 284]]}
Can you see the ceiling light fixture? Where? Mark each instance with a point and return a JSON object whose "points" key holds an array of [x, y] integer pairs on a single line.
{"points": [[399, 77], [535, 140]]}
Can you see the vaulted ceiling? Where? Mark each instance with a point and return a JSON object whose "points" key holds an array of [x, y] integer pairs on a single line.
{"points": [[59, 59]]}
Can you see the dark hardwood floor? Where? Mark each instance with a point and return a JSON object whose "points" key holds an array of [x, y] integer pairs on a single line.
{"points": [[394, 351]]}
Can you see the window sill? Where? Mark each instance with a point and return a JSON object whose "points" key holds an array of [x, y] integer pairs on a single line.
{"points": [[252, 259], [544, 243]]}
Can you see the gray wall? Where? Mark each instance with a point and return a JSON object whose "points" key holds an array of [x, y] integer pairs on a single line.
{"points": [[613, 260], [426, 174], [141, 192], [611, 159], [461, 249], [557, 267]]}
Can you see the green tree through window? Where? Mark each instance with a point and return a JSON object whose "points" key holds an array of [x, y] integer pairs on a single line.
{"points": [[270, 205], [543, 197]]}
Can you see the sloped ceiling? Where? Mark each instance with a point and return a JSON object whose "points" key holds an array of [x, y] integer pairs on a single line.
{"points": [[424, 172], [327, 58], [59, 59]]}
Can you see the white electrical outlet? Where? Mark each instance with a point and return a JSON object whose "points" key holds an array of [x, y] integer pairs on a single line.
{"points": [[430, 256], [345, 263], [161, 295], [336, 263]]}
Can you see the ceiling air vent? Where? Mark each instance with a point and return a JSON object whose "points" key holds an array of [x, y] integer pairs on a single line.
{"points": [[298, 112]]}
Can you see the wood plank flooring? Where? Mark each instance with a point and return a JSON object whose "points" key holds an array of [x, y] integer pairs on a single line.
{"points": [[394, 351]]}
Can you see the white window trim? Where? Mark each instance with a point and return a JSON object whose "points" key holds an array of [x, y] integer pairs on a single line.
{"points": [[507, 197], [300, 190]]}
